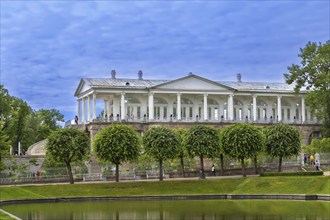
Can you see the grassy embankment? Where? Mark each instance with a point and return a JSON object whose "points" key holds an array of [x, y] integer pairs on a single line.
{"points": [[3, 216], [250, 185]]}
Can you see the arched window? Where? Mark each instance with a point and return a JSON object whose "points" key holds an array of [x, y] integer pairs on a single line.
{"points": [[261, 103], [212, 102], [158, 100], [237, 102], [184, 101], [132, 100]]}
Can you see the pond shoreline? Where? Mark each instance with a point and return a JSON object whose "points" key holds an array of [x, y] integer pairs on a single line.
{"points": [[315, 197]]}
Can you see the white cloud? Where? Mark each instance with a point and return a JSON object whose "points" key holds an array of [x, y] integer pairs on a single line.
{"points": [[47, 46]]}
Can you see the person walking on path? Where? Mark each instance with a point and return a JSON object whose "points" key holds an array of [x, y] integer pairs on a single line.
{"points": [[213, 170], [317, 165]]}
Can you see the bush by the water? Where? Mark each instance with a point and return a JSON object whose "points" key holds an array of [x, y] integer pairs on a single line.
{"points": [[313, 173]]}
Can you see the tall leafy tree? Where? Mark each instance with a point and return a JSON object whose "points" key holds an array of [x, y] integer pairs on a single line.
{"points": [[40, 124], [319, 145], [117, 144], [5, 106], [221, 152], [313, 72], [4, 146], [282, 141], [24, 125], [242, 141], [19, 121], [202, 141], [66, 146], [161, 143], [181, 133]]}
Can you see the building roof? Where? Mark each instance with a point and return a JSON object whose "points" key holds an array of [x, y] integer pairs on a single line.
{"points": [[259, 86], [119, 83], [133, 83]]}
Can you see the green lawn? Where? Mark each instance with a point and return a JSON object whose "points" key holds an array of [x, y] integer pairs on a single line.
{"points": [[4, 216], [250, 185]]}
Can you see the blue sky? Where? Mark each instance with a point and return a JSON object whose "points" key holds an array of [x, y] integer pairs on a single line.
{"points": [[47, 46]]}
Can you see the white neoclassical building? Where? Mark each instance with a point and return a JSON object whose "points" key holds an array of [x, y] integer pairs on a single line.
{"points": [[189, 99]]}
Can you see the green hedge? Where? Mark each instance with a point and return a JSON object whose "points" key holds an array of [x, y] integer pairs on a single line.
{"points": [[313, 173]]}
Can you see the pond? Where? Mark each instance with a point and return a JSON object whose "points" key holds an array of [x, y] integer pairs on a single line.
{"points": [[174, 209]]}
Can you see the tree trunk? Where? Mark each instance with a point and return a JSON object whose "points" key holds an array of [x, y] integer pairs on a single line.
{"points": [[280, 165], [68, 166], [202, 171], [221, 164], [255, 160], [117, 172], [243, 167], [202, 162], [160, 170], [182, 166]]}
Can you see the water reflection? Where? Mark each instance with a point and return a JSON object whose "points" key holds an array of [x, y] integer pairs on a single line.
{"points": [[161, 210]]}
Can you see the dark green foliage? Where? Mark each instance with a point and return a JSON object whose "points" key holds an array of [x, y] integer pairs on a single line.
{"points": [[241, 141], [318, 146], [161, 144], [181, 133], [117, 144], [314, 73], [282, 141], [202, 141], [22, 124], [66, 146], [4, 146], [314, 173]]}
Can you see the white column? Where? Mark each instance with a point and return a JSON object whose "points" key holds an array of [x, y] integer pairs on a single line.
{"points": [[94, 105], [83, 111], [279, 108], [108, 109], [178, 106], [285, 114], [134, 111], [122, 106], [212, 113], [105, 109], [205, 107], [88, 109], [303, 109], [230, 107], [170, 109], [19, 148], [292, 114], [195, 109], [79, 110], [116, 107], [220, 112], [151, 106], [254, 108], [161, 114]]}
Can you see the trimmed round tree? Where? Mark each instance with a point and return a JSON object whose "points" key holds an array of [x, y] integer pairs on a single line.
{"points": [[282, 141], [66, 146], [162, 144], [242, 141], [202, 141], [182, 149], [117, 144], [221, 152]]}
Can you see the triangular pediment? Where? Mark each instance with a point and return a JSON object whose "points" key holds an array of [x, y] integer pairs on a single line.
{"points": [[193, 82], [82, 87]]}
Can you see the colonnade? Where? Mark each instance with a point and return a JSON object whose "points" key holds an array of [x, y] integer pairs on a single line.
{"points": [[118, 108]]}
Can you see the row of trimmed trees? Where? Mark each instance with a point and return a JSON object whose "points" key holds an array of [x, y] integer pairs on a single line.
{"points": [[119, 143]]}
